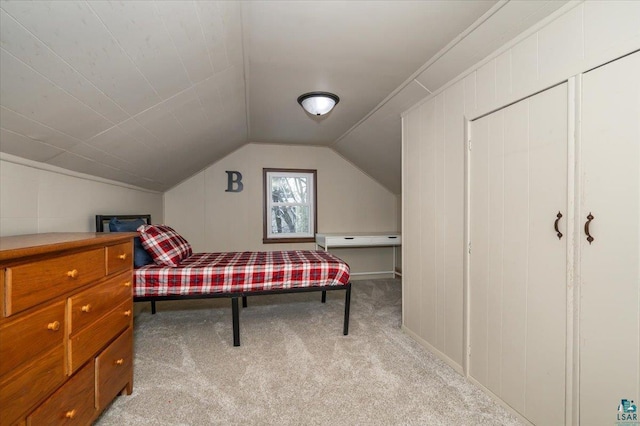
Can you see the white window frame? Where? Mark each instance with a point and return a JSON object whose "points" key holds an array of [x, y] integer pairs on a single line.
{"points": [[268, 235]]}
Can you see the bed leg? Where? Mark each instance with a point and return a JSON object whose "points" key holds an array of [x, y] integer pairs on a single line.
{"points": [[236, 321], [244, 301], [153, 307], [347, 305], [324, 296]]}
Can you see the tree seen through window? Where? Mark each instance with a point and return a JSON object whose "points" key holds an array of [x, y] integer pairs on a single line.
{"points": [[290, 209]]}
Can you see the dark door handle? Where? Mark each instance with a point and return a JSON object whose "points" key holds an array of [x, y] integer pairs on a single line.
{"points": [[555, 225], [586, 228]]}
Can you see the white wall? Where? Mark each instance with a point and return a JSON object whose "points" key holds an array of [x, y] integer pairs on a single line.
{"points": [[37, 198], [578, 37], [348, 201]]}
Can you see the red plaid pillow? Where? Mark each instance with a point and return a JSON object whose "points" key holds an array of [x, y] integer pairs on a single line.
{"points": [[166, 246]]}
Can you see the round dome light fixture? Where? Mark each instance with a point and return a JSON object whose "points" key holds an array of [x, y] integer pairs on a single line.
{"points": [[318, 103]]}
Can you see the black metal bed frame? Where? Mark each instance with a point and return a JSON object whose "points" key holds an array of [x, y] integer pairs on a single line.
{"points": [[102, 218], [235, 311]]}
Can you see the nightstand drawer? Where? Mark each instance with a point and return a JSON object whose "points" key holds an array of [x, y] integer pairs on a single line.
{"points": [[91, 304], [34, 283], [382, 240], [86, 343], [114, 369], [33, 383], [31, 335], [119, 258], [72, 404]]}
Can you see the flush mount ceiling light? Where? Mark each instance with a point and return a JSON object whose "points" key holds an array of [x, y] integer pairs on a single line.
{"points": [[318, 103]]}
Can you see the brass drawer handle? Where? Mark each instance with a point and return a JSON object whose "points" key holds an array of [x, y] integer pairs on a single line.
{"points": [[127, 284], [70, 414], [120, 361], [73, 273], [127, 313], [53, 326], [122, 256], [86, 308]]}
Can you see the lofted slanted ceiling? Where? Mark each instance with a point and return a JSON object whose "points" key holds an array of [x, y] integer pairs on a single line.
{"points": [[150, 92]]}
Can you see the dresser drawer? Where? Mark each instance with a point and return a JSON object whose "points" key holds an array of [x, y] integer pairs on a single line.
{"points": [[89, 305], [88, 341], [72, 404], [33, 283], [114, 369], [119, 258], [21, 391], [31, 335]]}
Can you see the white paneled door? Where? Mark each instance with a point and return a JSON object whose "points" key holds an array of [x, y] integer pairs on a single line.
{"points": [[610, 262], [517, 264]]}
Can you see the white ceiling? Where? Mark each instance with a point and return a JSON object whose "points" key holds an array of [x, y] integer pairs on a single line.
{"points": [[151, 92]]}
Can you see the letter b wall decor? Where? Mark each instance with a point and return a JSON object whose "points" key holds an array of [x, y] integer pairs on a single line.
{"points": [[234, 178]]}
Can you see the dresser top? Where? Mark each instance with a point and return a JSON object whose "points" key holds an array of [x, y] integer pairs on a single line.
{"points": [[38, 244]]}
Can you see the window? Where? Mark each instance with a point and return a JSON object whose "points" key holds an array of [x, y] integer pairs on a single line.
{"points": [[289, 205]]}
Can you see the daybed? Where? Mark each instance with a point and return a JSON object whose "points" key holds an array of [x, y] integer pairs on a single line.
{"points": [[177, 273]]}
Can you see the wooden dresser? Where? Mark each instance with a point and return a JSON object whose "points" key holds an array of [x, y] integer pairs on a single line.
{"points": [[66, 337]]}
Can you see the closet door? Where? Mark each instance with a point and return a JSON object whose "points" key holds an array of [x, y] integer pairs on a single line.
{"points": [[610, 263], [517, 265]]}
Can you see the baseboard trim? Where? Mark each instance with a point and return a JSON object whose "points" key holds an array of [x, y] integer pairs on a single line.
{"points": [[500, 401], [457, 367]]}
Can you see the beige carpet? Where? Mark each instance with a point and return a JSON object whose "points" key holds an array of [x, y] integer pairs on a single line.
{"points": [[294, 366]]}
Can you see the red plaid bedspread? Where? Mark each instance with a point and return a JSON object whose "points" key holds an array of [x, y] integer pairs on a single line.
{"points": [[206, 273]]}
